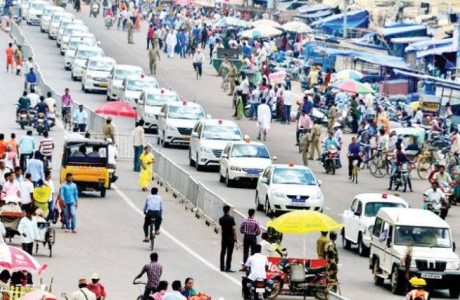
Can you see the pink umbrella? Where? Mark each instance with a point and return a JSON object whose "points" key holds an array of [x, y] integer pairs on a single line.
{"points": [[118, 109], [15, 259], [39, 295]]}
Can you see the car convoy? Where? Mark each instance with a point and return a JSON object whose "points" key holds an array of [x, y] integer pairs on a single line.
{"points": [[382, 226]]}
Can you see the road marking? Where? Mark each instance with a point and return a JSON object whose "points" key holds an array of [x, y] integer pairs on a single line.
{"points": [[176, 241]]}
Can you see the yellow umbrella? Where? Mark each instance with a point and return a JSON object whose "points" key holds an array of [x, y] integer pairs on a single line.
{"points": [[304, 221]]}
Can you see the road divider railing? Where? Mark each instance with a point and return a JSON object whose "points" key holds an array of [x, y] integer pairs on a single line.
{"points": [[95, 121], [124, 143]]}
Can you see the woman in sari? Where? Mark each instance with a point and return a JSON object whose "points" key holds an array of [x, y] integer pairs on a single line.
{"points": [[146, 174], [137, 24]]}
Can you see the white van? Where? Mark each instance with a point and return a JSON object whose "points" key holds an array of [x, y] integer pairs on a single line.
{"points": [[35, 12], [70, 31], [399, 230], [81, 57], [56, 21], [96, 75], [46, 17]]}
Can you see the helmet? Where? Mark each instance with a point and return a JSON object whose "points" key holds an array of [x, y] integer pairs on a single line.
{"points": [[415, 282]]}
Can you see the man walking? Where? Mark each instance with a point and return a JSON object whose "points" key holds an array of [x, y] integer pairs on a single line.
{"points": [[29, 232], [227, 225], [35, 168], [153, 209], [46, 148], [130, 26], [154, 54], [251, 229], [69, 195], [150, 36], [27, 190], [9, 57], [138, 142], [315, 140], [26, 149], [153, 271], [80, 118]]}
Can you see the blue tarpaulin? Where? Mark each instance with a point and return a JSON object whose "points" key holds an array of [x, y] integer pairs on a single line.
{"points": [[334, 24], [306, 9], [316, 15], [425, 45], [414, 30]]}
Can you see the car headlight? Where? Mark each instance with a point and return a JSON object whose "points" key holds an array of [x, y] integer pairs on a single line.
{"points": [[278, 194], [206, 150], [453, 265], [170, 128], [235, 168]]}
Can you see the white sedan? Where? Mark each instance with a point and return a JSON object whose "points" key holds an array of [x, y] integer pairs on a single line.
{"points": [[287, 187]]}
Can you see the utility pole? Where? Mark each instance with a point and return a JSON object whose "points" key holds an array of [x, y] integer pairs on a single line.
{"points": [[345, 19]]}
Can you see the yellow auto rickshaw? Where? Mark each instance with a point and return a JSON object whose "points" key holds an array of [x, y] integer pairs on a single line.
{"points": [[87, 160]]}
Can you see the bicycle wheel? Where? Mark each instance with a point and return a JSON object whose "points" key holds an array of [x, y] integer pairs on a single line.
{"points": [[378, 167], [423, 169], [355, 174], [152, 237]]}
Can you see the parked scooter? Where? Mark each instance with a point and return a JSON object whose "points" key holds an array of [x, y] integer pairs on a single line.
{"points": [[259, 289]]}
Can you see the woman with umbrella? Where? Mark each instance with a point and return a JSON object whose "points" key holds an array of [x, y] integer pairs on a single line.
{"points": [[146, 174]]}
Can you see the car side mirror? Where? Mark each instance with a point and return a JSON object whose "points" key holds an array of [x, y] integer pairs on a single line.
{"points": [[320, 182], [274, 158], [357, 213], [263, 180], [454, 246], [195, 135], [224, 155]]}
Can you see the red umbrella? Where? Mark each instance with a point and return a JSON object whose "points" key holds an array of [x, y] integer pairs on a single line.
{"points": [[118, 109], [15, 259]]}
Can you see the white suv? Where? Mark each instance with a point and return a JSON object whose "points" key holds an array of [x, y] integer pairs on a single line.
{"points": [[35, 12], [288, 187], [209, 138], [68, 32], [55, 23], [46, 17], [361, 216], [81, 57], [243, 161], [118, 74], [149, 106], [86, 39], [397, 231], [134, 85], [96, 75], [176, 121]]}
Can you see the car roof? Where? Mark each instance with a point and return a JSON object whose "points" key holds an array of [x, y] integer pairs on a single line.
{"points": [[140, 77], [102, 58], [289, 166], [159, 91], [219, 122], [246, 143], [184, 103], [82, 35], [411, 217], [62, 13], [56, 8], [77, 26], [128, 67], [90, 48], [380, 197]]}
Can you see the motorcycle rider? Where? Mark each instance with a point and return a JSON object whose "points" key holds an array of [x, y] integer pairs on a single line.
{"points": [[442, 177], [433, 196], [31, 79], [400, 158], [330, 141], [42, 109], [258, 267], [23, 103]]}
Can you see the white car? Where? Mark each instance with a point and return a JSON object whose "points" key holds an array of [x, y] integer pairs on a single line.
{"points": [[86, 39], [96, 75], [70, 31], [57, 20], [118, 74], [288, 187], [361, 215], [24, 8], [243, 161], [46, 17], [35, 12], [176, 121], [149, 106], [134, 85], [209, 138], [81, 57]]}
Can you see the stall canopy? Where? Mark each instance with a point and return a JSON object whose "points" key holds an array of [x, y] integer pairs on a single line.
{"points": [[413, 30], [428, 44], [334, 24], [232, 22]]}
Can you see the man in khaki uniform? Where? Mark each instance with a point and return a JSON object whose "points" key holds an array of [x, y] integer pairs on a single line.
{"points": [[130, 26], [330, 249], [304, 147], [232, 74], [315, 141], [321, 245], [154, 54], [108, 129]]}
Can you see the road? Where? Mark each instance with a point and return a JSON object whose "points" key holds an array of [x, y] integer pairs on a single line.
{"points": [[176, 73]]}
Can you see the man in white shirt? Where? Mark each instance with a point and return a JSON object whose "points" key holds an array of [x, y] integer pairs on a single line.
{"points": [[258, 265], [175, 294], [138, 143], [34, 98], [287, 100], [83, 293], [27, 189], [433, 196], [51, 102], [29, 231]]}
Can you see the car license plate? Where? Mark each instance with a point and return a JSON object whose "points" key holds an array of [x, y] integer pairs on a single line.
{"points": [[103, 84], [260, 290], [298, 203], [431, 276], [252, 172], [187, 138]]}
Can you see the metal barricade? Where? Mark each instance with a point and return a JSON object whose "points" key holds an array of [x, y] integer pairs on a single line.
{"points": [[124, 143]]}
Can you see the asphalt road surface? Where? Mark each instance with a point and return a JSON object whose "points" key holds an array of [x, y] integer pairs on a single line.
{"points": [[112, 247]]}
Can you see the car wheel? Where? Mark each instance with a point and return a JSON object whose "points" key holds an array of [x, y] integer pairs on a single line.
{"points": [[454, 292], [396, 281], [221, 178], [197, 164], [268, 209], [190, 162], [345, 243], [103, 190], [163, 143], [362, 249], [108, 98], [375, 270], [259, 206], [228, 181]]}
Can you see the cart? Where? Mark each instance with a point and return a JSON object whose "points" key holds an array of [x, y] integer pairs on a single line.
{"points": [[10, 215], [46, 236]]}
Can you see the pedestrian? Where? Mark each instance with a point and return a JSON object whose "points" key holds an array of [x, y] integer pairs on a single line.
{"points": [[41, 197], [30, 80], [68, 193], [171, 41], [2, 146], [204, 36], [161, 290], [108, 130], [27, 189], [239, 106], [138, 142], [130, 26], [153, 270], [66, 104], [188, 291], [146, 174], [154, 56], [175, 294], [137, 22], [304, 147], [315, 140], [182, 43], [331, 116], [13, 143], [150, 36], [18, 60], [251, 229], [76, 5], [52, 216], [36, 168], [232, 74], [83, 293], [11, 158], [3, 171], [80, 119], [264, 117], [321, 245], [11, 187], [26, 149], [51, 102], [46, 148], [224, 71], [28, 230], [9, 57], [330, 249], [153, 208], [228, 233], [304, 125], [96, 287]]}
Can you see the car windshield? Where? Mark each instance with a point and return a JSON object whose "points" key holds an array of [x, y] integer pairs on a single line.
{"points": [[85, 54], [372, 208], [56, 18], [293, 176], [102, 66], [188, 112], [121, 74], [75, 44], [245, 150], [37, 6], [73, 31], [221, 132], [159, 100], [422, 237], [140, 84]]}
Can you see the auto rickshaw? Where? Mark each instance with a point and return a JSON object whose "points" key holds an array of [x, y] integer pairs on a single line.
{"points": [[413, 138], [87, 160]]}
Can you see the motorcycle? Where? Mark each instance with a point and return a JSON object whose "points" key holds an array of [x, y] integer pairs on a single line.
{"points": [[95, 10], [51, 119], [330, 160], [440, 208], [23, 118], [32, 114], [300, 279], [259, 289], [41, 124]]}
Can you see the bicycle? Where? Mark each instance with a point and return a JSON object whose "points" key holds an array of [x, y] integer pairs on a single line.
{"points": [[152, 232], [141, 296], [379, 164]]}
